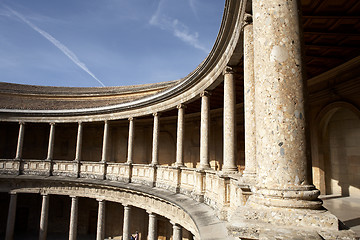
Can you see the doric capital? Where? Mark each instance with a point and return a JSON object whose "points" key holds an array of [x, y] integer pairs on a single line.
{"points": [[131, 119], [181, 105], [156, 114], [205, 93], [228, 70], [248, 19]]}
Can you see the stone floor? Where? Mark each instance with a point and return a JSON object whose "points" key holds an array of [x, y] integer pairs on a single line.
{"points": [[347, 209]]}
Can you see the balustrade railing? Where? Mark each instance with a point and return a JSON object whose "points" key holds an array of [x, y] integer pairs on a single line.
{"points": [[209, 186]]}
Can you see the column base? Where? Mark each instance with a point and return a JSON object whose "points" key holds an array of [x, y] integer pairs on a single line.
{"points": [[261, 222], [204, 167], [229, 169], [296, 197]]}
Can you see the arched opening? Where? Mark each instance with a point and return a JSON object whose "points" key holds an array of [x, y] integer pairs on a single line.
{"points": [[342, 161]]}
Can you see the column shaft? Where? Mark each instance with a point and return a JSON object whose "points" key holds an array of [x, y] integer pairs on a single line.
{"points": [[152, 229], [282, 154], [79, 142], [51, 142], [44, 217], [127, 219], [105, 142], [73, 218], [229, 134], [204, 130], [177, 232], [20, 141], [130, 141], [155, 146], [180, 136], [11, 217], [249, 102], [100, 233]]}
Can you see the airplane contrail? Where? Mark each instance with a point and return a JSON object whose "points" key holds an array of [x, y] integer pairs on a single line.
{"points": [[57, 44]]}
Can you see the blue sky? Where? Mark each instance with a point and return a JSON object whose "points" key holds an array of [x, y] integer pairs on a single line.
{"points": [[92, 43]]}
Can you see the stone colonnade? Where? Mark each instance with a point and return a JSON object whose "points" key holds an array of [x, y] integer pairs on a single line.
{"points": [[100, 230], [229, 151]]}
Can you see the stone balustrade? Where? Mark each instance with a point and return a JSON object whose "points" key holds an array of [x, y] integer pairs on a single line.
{"points": [[208, 186]]}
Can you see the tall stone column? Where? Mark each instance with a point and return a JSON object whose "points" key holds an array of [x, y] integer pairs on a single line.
{"points": [[180, 136], [281, 150], [155, 142], [177, 231], [127, 218], [73, 218], [105, 141], [11, 217], [78, 149], [51, 142], [204, 130], [249, 101], [79, 142], [130, 141], [152, 229], [100, 231], [44, 217], [20, 141], [229, 134]]}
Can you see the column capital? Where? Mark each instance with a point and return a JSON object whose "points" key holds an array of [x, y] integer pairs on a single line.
{"points": [[205, 93], [156, 114], [106, 121], [181, 105], [248, 18], [131, 119], [80, 122], [229, 70], [22, 122], [100, 200], [52, 123]]}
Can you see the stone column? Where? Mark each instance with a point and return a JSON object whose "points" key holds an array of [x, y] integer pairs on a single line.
{"points": [[78, 149], [155, 143], [44, 217], [100, 232], [152, 229], [281, 150], [177, 231], [105, 141], [51, 142], [130, 141], [229, 134], [249, 101], [180, 136], [79, 142], [11, 217], [20, 141], [204, 130], [73, 218], [127, 218]]}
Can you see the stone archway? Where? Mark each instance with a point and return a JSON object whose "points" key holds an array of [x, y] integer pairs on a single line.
{"points": [[336, 155]]}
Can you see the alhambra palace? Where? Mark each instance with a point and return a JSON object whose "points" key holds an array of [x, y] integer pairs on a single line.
{"points": [[260, 141]]}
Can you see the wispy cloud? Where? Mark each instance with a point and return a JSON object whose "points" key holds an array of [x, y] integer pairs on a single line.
{"points": [[176, 27], [192, 4], [57, 44]]}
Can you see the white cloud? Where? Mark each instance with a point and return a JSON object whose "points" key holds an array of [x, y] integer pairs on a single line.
{"points": [[176, 27], [57, 44]]}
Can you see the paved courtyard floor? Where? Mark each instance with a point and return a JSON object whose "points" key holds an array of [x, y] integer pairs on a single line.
{"points": [[347, 209]]}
